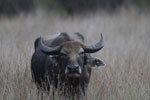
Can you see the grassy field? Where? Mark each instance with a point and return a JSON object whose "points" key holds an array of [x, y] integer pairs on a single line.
{"points": [[126, 53]]}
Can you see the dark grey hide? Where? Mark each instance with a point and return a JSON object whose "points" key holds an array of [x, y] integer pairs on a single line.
{"points": [[67, 67]]}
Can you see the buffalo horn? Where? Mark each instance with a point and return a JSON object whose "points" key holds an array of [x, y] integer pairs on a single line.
{"points": [[94, 48], [48, 50]]}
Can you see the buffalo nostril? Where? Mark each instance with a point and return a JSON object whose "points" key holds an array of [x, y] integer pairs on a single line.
{"points": [[73, 68], [76, 67], [69, 68]]}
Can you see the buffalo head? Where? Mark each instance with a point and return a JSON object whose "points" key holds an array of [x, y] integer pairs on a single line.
{"points": [[73, 56]]}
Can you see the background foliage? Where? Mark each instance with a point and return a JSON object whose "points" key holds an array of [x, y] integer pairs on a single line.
{"points": [[10, 7]]}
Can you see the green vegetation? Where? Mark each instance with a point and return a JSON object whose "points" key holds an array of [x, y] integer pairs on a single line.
{"points": [[10, 7]]}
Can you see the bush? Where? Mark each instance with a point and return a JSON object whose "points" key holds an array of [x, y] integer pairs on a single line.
{"points": [[15, 6], [70, 6]]}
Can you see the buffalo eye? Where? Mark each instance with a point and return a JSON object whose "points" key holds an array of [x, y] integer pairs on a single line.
{"points": [[81, 53], [63, 54]]}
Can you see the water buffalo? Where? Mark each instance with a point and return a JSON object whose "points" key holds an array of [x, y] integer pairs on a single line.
{"points": [[65, 63]]}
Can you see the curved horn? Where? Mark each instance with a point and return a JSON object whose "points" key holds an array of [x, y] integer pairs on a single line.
{"points": [[48, 50], [94, 48]]}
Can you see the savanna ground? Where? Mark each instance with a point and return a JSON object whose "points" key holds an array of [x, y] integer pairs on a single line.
{"points": [[126, 53]]}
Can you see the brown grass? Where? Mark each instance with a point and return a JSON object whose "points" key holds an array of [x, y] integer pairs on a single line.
{"points": [[126, 75]]}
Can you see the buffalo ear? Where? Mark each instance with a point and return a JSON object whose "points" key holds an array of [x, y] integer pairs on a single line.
{"points": [[95, 62]]}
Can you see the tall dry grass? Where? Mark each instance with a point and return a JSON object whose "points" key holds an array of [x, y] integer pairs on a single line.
{"points": [[126, 75]]}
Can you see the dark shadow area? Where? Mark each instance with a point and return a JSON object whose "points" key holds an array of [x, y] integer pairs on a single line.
{"points": [[13, 7]]}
